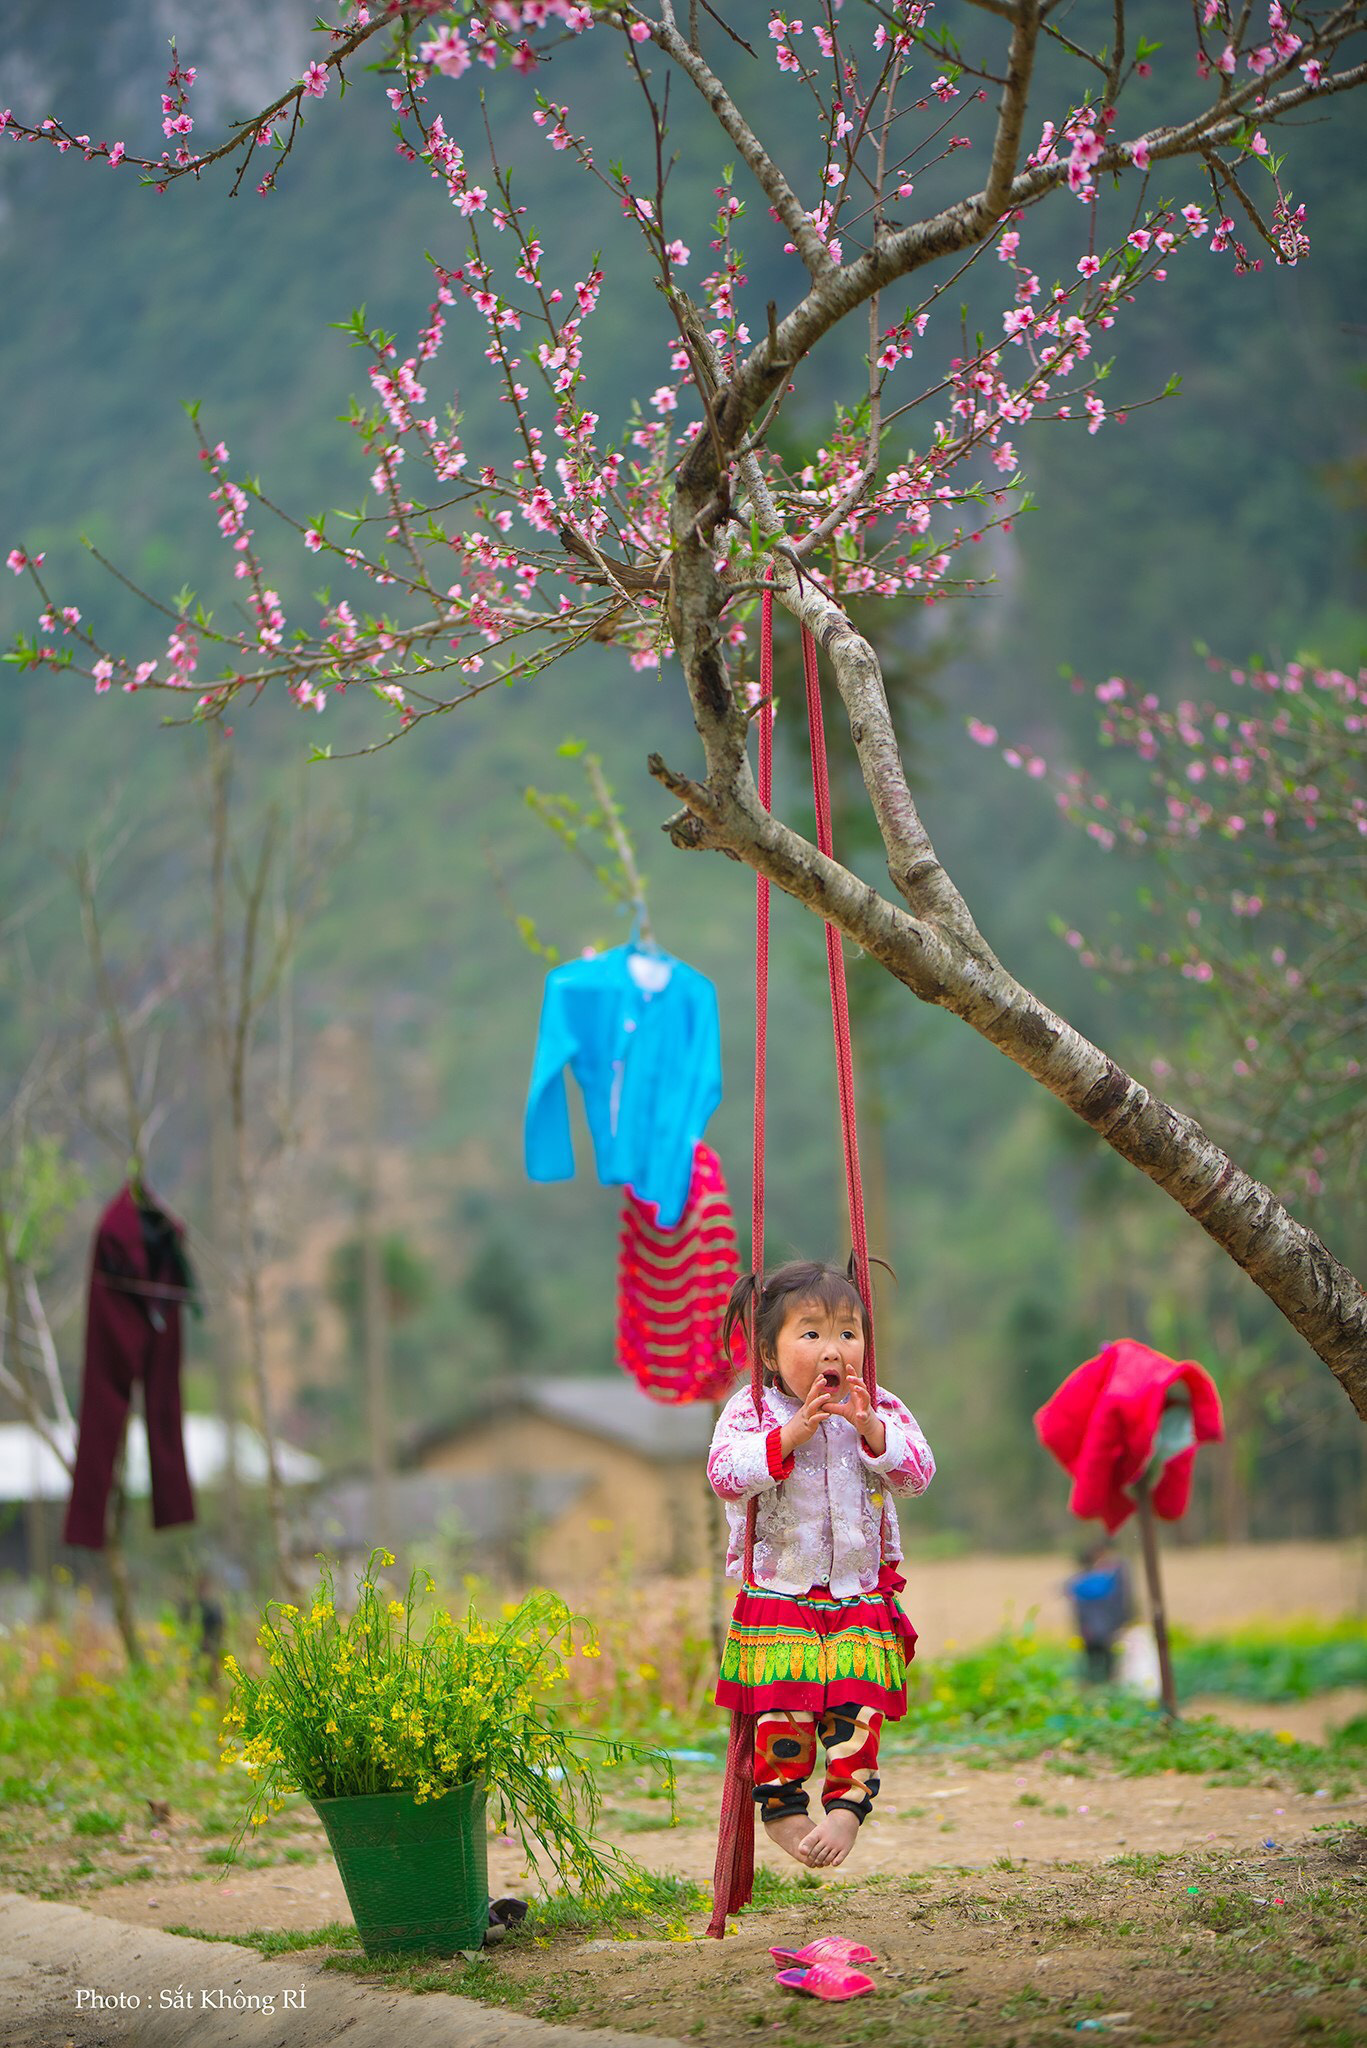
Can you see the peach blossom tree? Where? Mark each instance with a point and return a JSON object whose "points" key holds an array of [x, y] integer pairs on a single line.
{"points": [[491, 548]]}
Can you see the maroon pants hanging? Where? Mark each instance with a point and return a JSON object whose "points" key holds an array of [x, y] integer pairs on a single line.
{"points": [[137, 1282]]}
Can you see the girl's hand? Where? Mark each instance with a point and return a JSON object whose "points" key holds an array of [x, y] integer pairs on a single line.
{"points": [[857, 1408], [809, 1418]]}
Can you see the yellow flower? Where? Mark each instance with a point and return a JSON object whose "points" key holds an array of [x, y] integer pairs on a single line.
{"points": [[331, 1728], [590, 1650], [396, 1608], [647, 1671]]}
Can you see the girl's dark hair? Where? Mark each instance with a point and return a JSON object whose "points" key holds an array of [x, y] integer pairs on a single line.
{"points": [[832, 1288]]}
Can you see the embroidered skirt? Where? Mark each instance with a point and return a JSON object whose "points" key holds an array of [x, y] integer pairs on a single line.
{"points": [[817, 1649]]}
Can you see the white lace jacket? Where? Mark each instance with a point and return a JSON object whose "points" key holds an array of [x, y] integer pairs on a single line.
{"points": [[825, 1516]]}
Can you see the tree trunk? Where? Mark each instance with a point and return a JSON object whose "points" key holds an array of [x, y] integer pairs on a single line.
{"points": [[116, 1564], [277, 1519], [235, 1006], [227, 1332]]}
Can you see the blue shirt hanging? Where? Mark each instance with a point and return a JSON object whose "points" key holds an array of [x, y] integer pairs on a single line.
{"points": [[640, 1033]]}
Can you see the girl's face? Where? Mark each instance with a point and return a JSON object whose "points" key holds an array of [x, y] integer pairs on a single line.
{"points": [[815, 1341]]}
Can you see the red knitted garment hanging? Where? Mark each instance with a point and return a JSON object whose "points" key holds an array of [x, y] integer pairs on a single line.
{"points": [[733, 1877], [673, 1287]]}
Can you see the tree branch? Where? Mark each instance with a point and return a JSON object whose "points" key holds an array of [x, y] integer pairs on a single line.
{"points": [[1317, 1295], [756, 158], [1020, 63]]}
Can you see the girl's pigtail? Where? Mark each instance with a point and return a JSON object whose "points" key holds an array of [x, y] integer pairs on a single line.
{"points": [[852, 1275], [737, 1310]]}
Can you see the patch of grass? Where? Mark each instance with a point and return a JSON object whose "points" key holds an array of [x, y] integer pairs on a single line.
{"points": [[271, 1942], [477, 1977], [97, 1820], [1292, 1661], [83, 1736], [238, 1859], [1018, 1697], [1143, 1862], [1222, 1912], [773, 1890], [1025, 2004], [656, 1896]]}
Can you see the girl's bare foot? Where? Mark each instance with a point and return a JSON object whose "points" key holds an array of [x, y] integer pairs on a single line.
{"points": [[830, 1841], [788, 1830]]}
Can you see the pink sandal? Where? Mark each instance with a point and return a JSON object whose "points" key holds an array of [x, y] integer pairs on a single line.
{"points": [[827, 1948], [826, 1980]]}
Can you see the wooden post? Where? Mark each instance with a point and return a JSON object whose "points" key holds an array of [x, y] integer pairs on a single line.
{"points": [[374, 1321], [1149, 1536]]}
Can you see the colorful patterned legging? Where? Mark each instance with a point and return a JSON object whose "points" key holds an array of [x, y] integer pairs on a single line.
{"points": [[785, 1756]]}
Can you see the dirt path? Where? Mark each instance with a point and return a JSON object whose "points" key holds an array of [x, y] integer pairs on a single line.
{"points": [[71, 1980], [1008, 1908], [1201, 1951], [932, 1816]]}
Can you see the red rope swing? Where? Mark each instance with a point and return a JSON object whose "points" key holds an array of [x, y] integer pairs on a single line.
{"points": [[733, 1878]]}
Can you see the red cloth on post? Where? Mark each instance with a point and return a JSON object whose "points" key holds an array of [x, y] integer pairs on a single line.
{"points": [[1101, 1425], [137, 1284]]}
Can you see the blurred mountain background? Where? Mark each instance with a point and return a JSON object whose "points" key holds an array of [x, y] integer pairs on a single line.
{"points": [[1230, 514]]}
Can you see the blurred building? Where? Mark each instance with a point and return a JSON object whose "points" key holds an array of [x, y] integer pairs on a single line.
{"points": [[31, 1471], [554, 1480]]}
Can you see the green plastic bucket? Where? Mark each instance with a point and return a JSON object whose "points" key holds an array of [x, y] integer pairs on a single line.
{"points": [[415, 1873]]}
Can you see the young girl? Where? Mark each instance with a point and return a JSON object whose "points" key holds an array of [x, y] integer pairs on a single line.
{"points": [[818, 1646]]}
